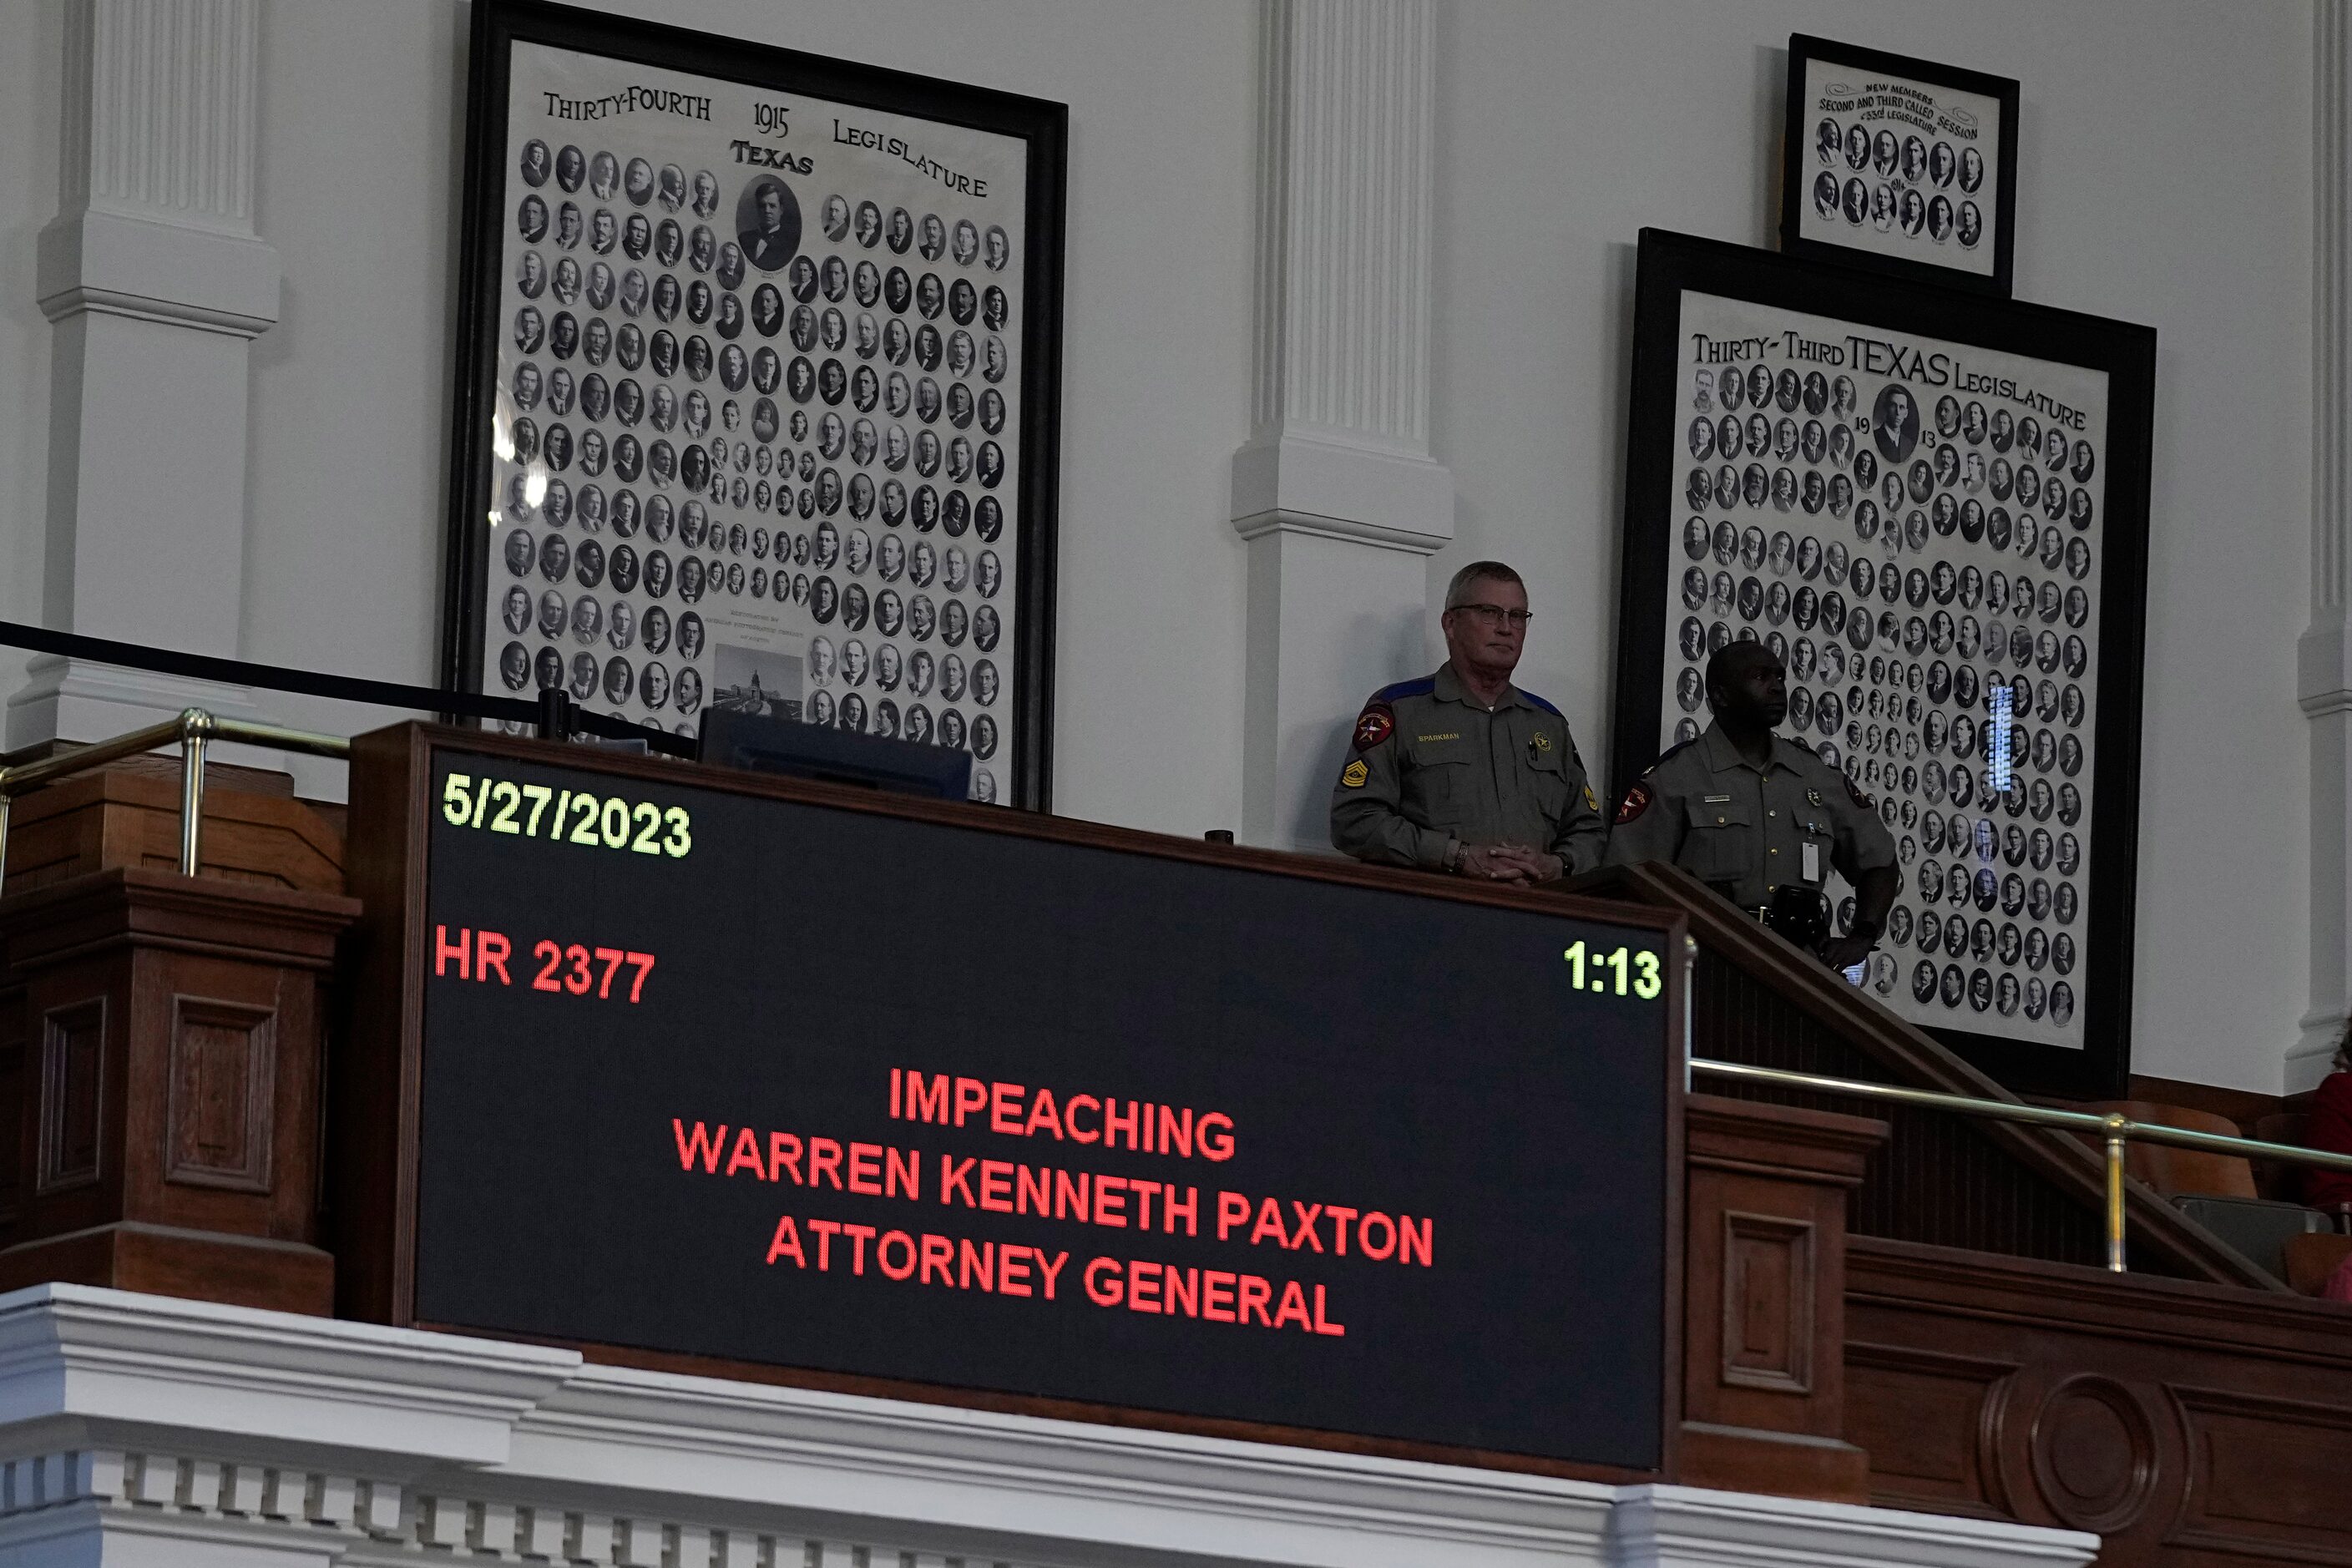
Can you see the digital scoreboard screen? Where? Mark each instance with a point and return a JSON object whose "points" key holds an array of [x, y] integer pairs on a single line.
{"points": [[708, 1065]]}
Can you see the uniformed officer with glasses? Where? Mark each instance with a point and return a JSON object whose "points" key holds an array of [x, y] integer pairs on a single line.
{"points": [[1462, 772]]}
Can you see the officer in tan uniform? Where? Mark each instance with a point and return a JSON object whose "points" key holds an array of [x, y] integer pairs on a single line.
{"points": [[1753, 815], [1461, 771]]}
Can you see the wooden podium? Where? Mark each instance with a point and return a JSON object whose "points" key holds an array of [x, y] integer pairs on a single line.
{"points": [[161, 1042]]}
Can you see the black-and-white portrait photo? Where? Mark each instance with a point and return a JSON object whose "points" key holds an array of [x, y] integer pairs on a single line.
{"points": [[1922, 149], [1939, 622], [616, 435]]}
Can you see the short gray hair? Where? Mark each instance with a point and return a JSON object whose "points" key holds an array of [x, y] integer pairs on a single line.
{"points": [[1457, 592]]}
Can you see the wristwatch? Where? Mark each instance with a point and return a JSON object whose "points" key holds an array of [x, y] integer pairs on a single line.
{"points": [[1457, 857]]}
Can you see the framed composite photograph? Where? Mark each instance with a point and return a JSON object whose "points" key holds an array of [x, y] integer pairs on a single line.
{"points": [[758, 389], [1934, 507], [1901, 165]]}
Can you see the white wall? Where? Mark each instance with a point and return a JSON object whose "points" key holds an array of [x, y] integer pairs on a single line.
{"points": [[362, 122], [32, 39], [2165, 180]]}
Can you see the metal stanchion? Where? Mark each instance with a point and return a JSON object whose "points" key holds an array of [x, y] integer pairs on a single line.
{"points": [[2119, 1128], [555, 714], [195, 729]]}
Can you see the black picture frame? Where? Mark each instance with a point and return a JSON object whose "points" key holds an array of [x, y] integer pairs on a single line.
{"points": [[1800, 159], [1671, 266], [492, 185]]}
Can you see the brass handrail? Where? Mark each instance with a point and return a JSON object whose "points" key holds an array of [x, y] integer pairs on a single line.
{"points": [[2115, 1129], [192, 731]]}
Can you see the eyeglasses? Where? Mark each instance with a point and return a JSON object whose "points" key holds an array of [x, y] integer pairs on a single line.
{"points": [[1495, 615]]}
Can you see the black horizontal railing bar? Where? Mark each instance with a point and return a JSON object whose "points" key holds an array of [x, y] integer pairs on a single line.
{"points": [[316, 683]]}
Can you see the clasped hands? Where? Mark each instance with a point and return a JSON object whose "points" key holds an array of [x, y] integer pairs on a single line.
{"points": [[1510, 862]]}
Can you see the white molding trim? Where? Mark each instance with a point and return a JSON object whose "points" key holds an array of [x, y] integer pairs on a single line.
{"points": [[2324, 655], [138, 1430], [80, 701], [1676, 1526], [1339, 486], [157, 271], [1348, 529]]}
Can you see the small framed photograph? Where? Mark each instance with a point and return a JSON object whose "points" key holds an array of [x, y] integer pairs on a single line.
{"points": [[1932, 509], [1900, 166], [726, 308]]}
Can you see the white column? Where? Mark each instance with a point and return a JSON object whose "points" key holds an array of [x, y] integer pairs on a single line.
{"points": [[1336, 490], [156, 284], [2325, 653]]}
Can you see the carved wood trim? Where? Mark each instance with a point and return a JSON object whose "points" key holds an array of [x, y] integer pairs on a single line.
{"points": [[2093, 1448], [2310, 1516], [221, 1102], [73, 1097], [12, 1108], [1753, 1244], [1985, 1493]]}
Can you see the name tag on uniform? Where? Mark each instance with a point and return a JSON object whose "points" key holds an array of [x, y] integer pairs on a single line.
{"points": [[1812, 862], [1717, 800]]}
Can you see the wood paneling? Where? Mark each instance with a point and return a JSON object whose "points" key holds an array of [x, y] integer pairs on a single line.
{"points": [[218, 1122], [2190, 1413], [72, 1096], [2094, 1452], [1769, 1282], [1763, 1379], [2188, 1423], [168, 1118], [2267, 1471], [1924, 1416], [128, 815]]}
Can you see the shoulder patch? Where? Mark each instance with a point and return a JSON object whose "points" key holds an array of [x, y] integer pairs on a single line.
{"points": [[1374, 724], [1860, 799], [1543, 705], [1355, 774], [1636, 802], [1404, 688]]}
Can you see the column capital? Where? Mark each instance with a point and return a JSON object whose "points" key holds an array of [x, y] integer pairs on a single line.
{"points": [[1339, 409], [156, 165], [1334, 485], [127, 264]]}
